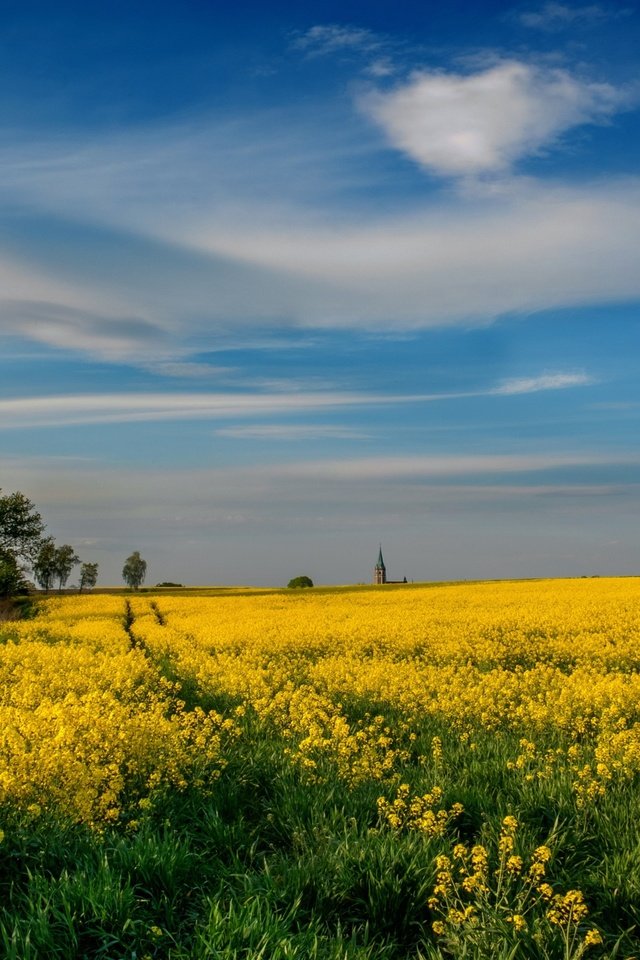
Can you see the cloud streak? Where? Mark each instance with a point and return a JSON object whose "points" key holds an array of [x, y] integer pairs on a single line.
{"points": [[292, 432], [552, 17], [433, 467], [332, 38], [75, 409], [547, 381]]}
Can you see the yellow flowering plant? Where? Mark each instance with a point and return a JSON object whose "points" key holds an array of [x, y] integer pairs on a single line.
{"points": [[489, 893]]}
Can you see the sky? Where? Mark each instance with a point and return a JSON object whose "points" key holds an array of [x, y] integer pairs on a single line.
{"points": [[283, 282]]}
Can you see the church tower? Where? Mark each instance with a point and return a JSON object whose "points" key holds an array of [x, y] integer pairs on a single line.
{"points": [[380, 571]]}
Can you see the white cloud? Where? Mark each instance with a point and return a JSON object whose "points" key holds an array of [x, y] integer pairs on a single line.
{"points": [[528, 249], [331, 38], [74, 409], [483, 123], [431, 467], [556, 16], [183, 263], [288, 431], [548, 381], [68, 328], [185, 369], [135, 407]]}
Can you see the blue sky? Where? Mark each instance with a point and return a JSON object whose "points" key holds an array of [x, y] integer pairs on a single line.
{"points": [[280, 282]]}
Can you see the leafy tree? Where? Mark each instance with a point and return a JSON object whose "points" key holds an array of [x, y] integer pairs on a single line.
{"points": [[134, 570], [44, 565], [300, 582], [88, 576], [12, 581], [21, 527], [64, 562]]}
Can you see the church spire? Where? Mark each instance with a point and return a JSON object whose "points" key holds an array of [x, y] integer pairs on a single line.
{"points": [[380, 571]]}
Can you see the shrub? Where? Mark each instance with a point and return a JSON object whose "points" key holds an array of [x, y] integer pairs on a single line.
{"points": [[300, 582]]}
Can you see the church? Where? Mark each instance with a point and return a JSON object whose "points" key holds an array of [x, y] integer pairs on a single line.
{"points": [[380, 571]]}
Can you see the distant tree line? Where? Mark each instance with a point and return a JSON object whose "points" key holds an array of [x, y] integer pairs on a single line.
{"points": [[24, 547]]}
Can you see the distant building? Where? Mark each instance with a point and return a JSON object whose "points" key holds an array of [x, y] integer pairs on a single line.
{"points": [[380, 571]]}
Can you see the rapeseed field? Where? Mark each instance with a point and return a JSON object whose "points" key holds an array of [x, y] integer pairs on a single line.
{"points": [[367, 774]]}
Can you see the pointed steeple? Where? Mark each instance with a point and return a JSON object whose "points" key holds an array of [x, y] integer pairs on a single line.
{"points": [[380, 571], [380, 562]]}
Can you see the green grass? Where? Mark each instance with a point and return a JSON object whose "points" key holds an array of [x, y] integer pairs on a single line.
{"points": [[267, 866]]}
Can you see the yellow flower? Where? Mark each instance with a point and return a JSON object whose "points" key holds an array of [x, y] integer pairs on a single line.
{"points": [[592, 938], [543, 854], [514, 865]]}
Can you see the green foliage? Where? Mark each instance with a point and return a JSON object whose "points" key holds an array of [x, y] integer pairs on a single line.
{"points": [[12, 581], [65, 560], [88, 576], [300, 582], [21, 527], [45, 564], [134, 571]]}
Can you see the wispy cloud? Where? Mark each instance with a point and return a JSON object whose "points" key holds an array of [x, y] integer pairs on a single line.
{"points": [[483, 123], [330, 38], [427, 467], [288, 431], [68, 328], [558, 16], [215, 268], [74, 409], [548, 381], [135, 407], [527, 248], [185, 369]]}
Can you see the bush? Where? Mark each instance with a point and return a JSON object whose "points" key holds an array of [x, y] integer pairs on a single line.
{"points": [[300, 582]]}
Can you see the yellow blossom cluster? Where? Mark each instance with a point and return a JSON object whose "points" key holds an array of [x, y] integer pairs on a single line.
{"points": [[347, 681], [418, 812], [548, 659], [483, 891], [89, 728]]}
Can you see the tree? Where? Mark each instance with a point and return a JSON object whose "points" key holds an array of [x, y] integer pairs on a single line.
{"points": [[300, 582], [44, 565], [11, 580], [134, 570], [64, 562], [88, 576], [21, 527]]}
